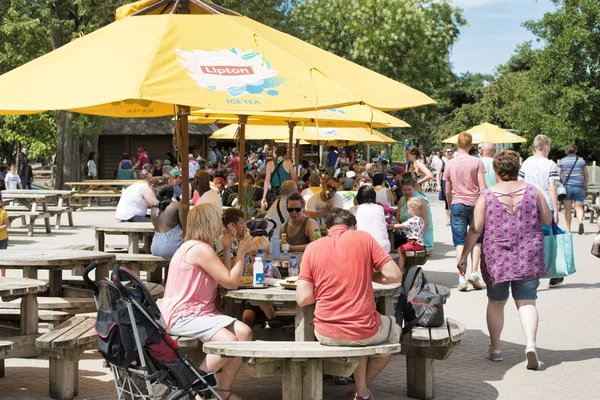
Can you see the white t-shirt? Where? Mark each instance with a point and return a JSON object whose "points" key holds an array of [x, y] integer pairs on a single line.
{"points": [[538, 172], [370, 218], [132, 203], [92, 170], [414, 229], [211, 197], [194, 167], [11, 181], [381, 195], [307, 194], [317, 205]]}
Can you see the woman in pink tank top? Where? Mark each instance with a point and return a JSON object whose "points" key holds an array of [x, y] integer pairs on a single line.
{"points": [[510, 216], [188, 305]]}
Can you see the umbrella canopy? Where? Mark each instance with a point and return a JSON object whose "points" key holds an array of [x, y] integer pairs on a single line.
{"points": [[324, 136], [350, 117], [489, 133], [152, 7]]}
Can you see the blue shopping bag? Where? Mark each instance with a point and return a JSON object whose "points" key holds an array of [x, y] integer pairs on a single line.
{"points": [[558, 253]]}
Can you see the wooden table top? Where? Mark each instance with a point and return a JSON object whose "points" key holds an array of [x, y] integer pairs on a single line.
{"points": [[103, 183], [50, 192], [17, 258], [279, 294], [20, 286], [27, 196], [125, 227]]}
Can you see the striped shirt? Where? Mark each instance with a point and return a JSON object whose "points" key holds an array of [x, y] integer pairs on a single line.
{"points": [[576, 177]]}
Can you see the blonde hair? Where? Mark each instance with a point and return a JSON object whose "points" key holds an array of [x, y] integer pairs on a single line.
{"points": [[203, 223], [540, 141], [465, 140], [414, 203], [260, 242]]}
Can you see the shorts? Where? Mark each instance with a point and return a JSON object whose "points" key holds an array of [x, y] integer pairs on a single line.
{"points": [[389, 332], [411, 245], [259, 314], [201, 327], [460, 218], [442, 193], [525, 289], [575, 193], [4, 244]]}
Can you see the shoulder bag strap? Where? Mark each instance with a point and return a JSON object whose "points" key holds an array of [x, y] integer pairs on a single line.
{"points": [[279, 210], [571, 171]]}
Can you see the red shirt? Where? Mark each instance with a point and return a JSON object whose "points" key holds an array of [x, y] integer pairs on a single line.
{"points": [[235, 165], [143, 160], [341, 268]]}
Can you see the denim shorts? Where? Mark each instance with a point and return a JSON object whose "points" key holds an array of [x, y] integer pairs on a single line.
{"points": [[460, 219], [4, 244], [521, 290], [575, 193]]}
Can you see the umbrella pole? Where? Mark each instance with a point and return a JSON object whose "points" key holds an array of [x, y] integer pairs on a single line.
{"points": [[183, 112], [312, 153], [291, 126], [243, 119], [297, 152]]}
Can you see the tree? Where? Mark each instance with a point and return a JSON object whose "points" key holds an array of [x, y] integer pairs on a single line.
{"points": [[406, 40], [268, 12]]}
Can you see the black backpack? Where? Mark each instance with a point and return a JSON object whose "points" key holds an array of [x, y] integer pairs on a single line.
{"points": [[418, 304]]}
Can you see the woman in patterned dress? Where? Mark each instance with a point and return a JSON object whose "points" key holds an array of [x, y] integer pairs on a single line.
{"points": [[510, 216]]}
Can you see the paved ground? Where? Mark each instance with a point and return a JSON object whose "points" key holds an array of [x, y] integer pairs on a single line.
{"points": [[568, 339]]}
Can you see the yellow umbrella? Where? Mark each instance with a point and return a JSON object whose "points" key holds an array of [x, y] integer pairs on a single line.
{"points": [[323, 136], [489, 133], [354, 116]]}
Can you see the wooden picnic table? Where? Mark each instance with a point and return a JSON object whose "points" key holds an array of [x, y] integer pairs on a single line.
{"points": [[31, 204], [133, 230], [593, 191], [27, 290], [55, 261], [304, 328], [99, 188], [57, 202]]}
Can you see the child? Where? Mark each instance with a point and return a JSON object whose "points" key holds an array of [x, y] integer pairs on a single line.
{"points": [[266, 312], [12, 180], [414, 231], [4, 225]]}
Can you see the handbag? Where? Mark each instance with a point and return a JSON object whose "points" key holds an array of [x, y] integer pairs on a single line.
{"points": [[558, 253], [596, 246]]}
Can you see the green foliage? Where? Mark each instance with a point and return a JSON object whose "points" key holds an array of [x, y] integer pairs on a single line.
{"points": [[268, 12]]}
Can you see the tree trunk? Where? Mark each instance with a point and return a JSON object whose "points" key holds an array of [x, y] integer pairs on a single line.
{"points": [[67, 144]]}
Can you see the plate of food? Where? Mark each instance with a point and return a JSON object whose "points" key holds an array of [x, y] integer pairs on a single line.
{"points": [[290, 283], [246, 282]]}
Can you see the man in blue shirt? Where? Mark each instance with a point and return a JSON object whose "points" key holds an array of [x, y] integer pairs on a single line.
{"points": [[332, 158]]}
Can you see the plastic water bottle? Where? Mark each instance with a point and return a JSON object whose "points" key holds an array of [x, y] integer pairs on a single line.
{"points": [[285, 246], [258, 270], [294, 269], [276, 246], [269, 269], [316, 234]]}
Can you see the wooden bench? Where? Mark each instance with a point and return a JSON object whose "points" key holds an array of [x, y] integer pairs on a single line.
{"points": [[64, 345], [422, 347], [594, 211], [69, 305], [153, 265], [14, 314], [97, 194], [75, 288], [52, 210], [302, 364], [33, 215], [417, 257], [5, 346]]}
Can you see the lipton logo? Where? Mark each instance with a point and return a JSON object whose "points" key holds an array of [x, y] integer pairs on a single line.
{"points": [[233, 71], [226, 70]]}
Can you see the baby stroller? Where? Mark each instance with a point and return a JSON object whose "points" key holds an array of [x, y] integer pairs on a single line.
{"points": [[145, 360]]}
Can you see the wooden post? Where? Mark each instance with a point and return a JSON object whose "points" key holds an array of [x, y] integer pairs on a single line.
{"points": [[29, 314], [420, 372], [312, 152], [304, 324], [593, 172], [243, 119], [291, 126], [297, 153], [368, 153], [182, 122]]}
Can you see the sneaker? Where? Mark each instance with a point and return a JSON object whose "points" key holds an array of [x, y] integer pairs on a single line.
{"points": [[370, 397], [462, 284], [581, 230], [495, 355], [475, 281], [555, 282], [532, 358]]}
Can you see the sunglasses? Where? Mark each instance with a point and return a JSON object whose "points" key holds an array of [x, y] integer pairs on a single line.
{"points": [[448, 151], [299, 209], [332, 187]]}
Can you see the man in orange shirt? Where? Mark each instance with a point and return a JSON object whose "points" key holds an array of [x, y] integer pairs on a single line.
{"points": [[345, 313]]}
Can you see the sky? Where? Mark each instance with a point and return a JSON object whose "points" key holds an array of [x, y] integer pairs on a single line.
{"points": [[493, 31]]}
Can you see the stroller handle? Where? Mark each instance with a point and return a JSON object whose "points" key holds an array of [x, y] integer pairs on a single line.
{"points": [[91, 284], [114, 277]]}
